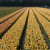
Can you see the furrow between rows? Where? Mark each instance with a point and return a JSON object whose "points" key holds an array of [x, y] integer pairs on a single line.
{"points": [[21, 43]]}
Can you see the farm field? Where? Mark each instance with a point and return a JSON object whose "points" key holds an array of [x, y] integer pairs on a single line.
{"points": [[26, 29], [7, 10]]}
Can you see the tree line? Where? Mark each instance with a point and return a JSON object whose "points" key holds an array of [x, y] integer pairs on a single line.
{"points": [[24, 2]]}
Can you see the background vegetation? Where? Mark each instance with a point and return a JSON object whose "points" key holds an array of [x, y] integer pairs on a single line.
{"points": [[7, 10]]}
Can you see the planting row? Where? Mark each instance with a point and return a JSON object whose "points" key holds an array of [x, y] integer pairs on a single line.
{"points": [[44, 22], [9, 16], [47, 11], [34, 39], [4, 26], [10, 40], [46, 16]]}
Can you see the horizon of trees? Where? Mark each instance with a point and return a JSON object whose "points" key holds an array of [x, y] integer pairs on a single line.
{"points": [[24, 2]]}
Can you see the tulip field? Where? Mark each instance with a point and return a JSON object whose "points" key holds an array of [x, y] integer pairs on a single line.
{"points": [[26, 29]]}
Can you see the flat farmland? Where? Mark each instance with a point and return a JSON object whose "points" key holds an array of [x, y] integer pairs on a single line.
{"points": [[26, 29], [7, 10]]}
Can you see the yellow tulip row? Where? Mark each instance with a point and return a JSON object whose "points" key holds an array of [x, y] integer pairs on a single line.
{"points": [[10, 40], [44, 22], [34, 39], [47, 16], [44, 10]]}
